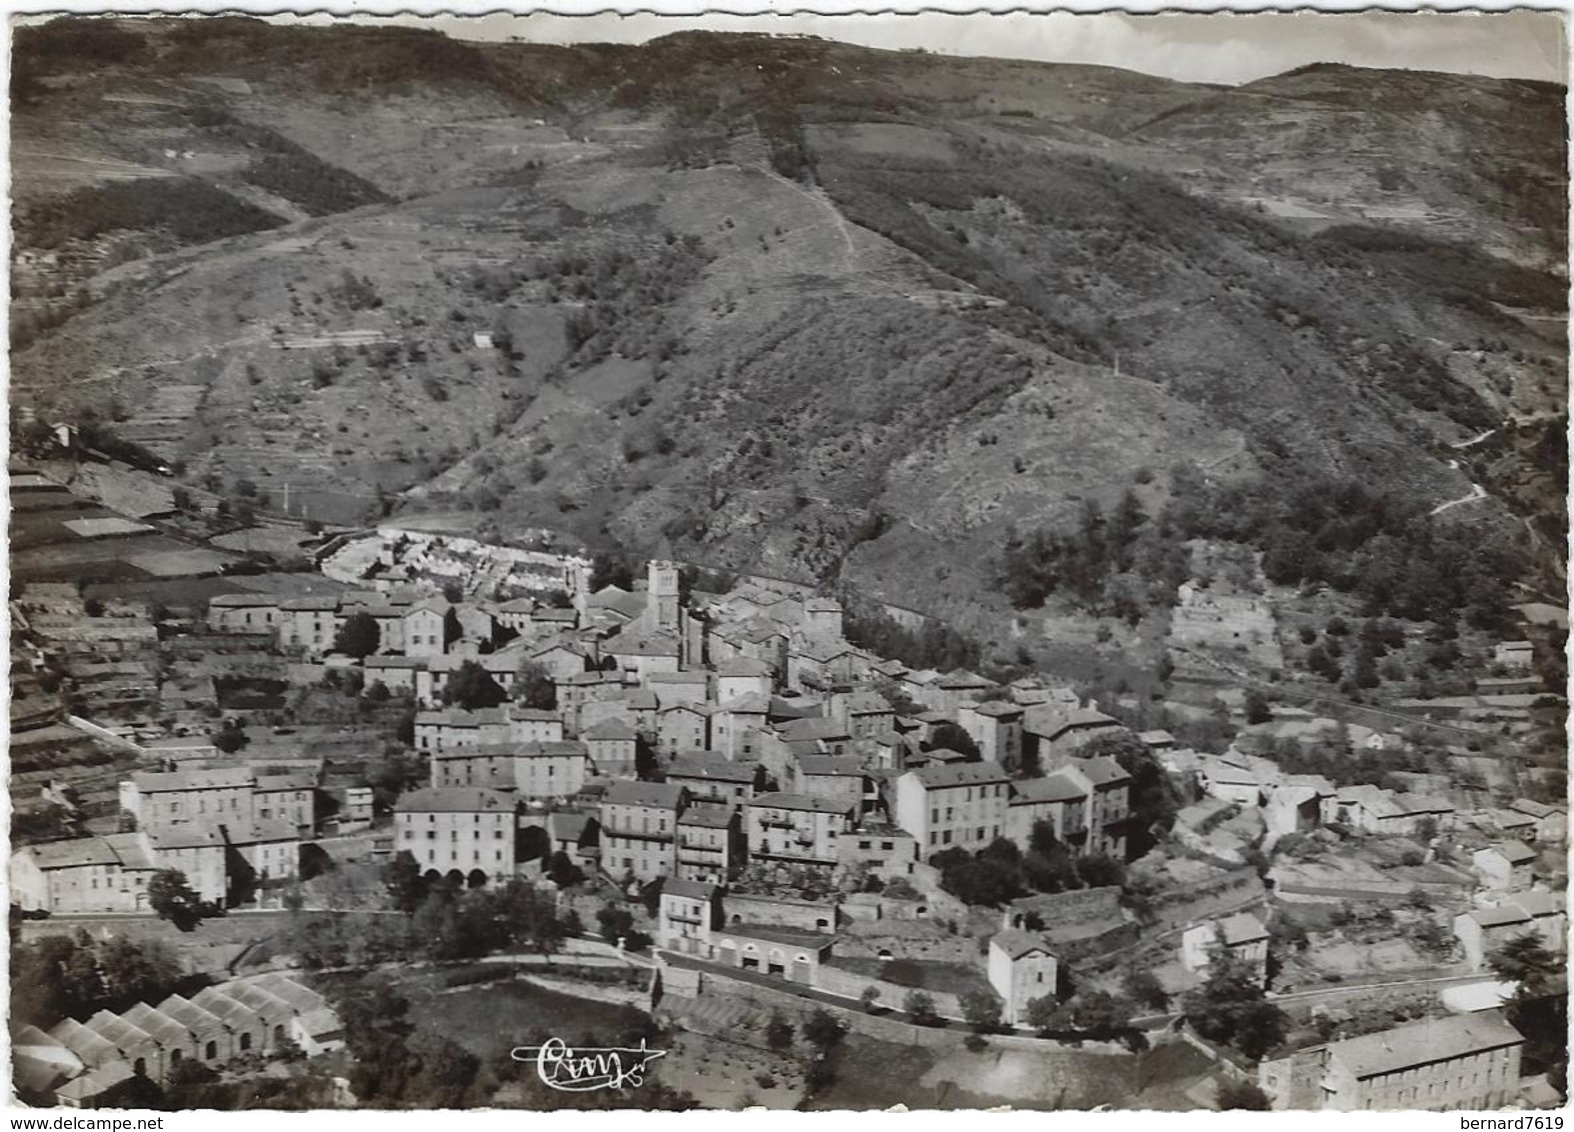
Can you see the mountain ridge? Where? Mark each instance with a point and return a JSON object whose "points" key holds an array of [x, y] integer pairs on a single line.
{"points": [[916, 295]]}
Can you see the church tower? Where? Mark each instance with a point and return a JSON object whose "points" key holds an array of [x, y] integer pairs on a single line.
{"points": [[661, 598]]}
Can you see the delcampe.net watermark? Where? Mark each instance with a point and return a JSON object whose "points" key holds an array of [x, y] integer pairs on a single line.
{"points": [[561, 1066]]}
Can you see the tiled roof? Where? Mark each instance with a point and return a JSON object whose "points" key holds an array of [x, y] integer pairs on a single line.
{"points": [[688, 889], [612, 728], [811, 802], [73, 853], [663, 795], [1102, 771], [1017, 943], [710, 815], [939, 775], [1243, 927], [1423, 1043], [225, 778], [713, 770], [1055, 787], [560, 748], [455, 800], [839, 765]]}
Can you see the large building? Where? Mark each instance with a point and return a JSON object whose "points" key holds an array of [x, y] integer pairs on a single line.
{"points": [[639, 828], [158, 799], [798, 829], [83, 874], [1468, 1061], [467, 830], [953, 805]]}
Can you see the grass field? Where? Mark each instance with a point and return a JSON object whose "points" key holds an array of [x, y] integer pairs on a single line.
{"points": [[487, 1019], [949, 978]]}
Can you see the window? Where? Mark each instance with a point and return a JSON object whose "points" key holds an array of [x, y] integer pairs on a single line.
{"points": [[865, 845]]}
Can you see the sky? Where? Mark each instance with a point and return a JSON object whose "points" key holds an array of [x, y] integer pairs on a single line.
{"points": [[1225, 48]]}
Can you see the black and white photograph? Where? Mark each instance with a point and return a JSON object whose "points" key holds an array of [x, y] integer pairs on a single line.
{"points": [[788, 563]]}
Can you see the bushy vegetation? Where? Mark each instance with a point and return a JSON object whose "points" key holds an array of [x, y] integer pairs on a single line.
{"points": [[1324, 530], [937, 645], [75, 976], [621, 293], [1117, 564], [304, 179], [190, 209]]}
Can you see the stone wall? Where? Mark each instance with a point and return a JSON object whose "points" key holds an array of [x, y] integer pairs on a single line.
{"points": [[892, 995], [905, 939], [779, 912]]}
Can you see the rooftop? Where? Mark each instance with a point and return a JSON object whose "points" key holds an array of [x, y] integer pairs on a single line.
{"points": [[688, 889], [935, 776], [228, 778], [838, 765], [610, 728], [1243, 927], [783, 800], [454, 800], [1057, 787], [1017, 943], [771, 933], [625, 792], [1422, 1043], [710, 815], [713, 770]]}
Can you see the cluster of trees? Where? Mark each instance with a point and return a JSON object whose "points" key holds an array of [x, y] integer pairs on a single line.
{"points": [[442, 922], [318, 188], [1343, 766], [171, 896], [936, 645], [1540, 1005], [189, 208], [1117, 564], [1323, 530], [1231, 1008], [75, 976], [1155, 798], [1001, 871], [622, 293], [389, 1069]]}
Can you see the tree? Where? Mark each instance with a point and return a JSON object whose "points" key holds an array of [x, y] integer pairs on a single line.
{"points": [[229, 739], [472, 687], [171, 896], [982, 1010], [920, 1007], [359, 636], [404, 883], [1257, 709], [870, 996], [536, 688], [778, 1033], [1527, 961], [1230, 1007], [564, 873], [822, 1030], [951, 737], [1242, 1095], [1045, 1014], [615, 922], [1144, 987], [1099, 870]]}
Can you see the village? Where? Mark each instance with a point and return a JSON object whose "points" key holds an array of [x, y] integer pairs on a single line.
{"points": [[766, 822]]}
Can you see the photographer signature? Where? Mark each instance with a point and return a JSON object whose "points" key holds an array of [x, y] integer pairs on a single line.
{"points": [[561, 1066]]}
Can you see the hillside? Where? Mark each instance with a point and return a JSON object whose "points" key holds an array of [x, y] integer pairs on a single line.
{"points": [[813, 309]]}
